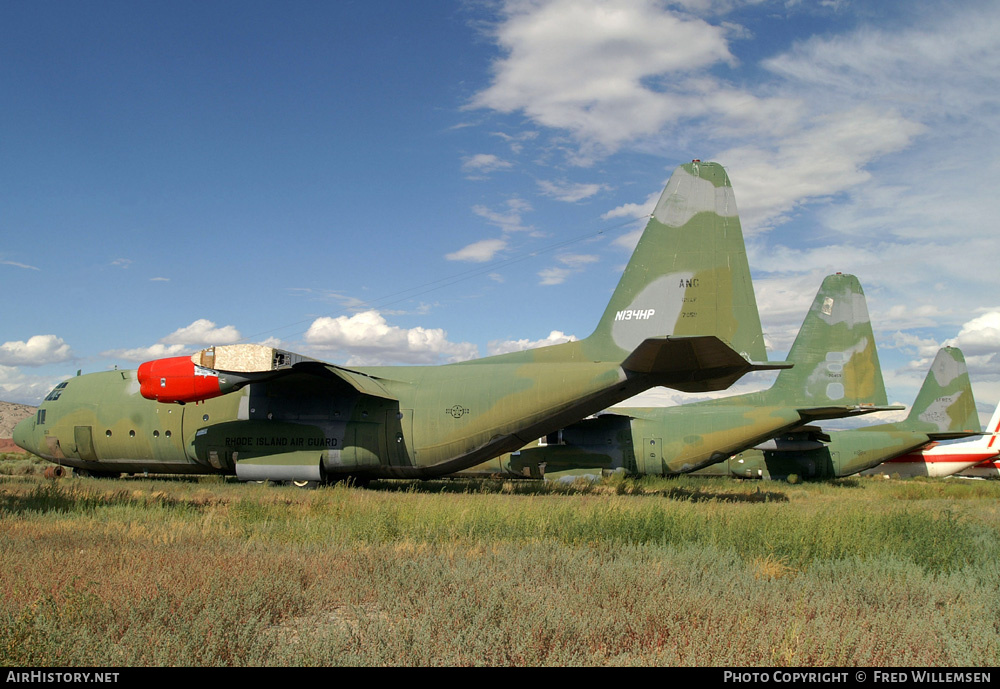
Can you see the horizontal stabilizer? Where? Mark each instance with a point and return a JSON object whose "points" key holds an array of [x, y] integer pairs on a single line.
{"points": [[954, 435], [845, 411], [693, 364], [798, 439]]}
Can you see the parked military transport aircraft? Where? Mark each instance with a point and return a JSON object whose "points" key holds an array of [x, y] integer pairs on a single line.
{"points": [[682, 316], [944, 460], [944, 410], [836, 374]]}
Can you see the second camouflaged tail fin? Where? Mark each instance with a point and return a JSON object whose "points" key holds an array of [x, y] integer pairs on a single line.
{"points": [[836, 362]]}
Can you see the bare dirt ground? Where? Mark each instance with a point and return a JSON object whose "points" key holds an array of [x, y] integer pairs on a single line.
{"points": [[10, 414]]}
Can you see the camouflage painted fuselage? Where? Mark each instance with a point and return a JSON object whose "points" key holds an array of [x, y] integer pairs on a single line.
{"points": [[682, 316], [101, 423], [848, 453], [646, 441]]}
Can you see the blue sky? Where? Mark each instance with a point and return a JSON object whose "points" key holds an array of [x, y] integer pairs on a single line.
{"points": [[401, 182]]}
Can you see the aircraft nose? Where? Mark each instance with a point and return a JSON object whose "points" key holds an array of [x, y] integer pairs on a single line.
{"points": [[23, 434]]}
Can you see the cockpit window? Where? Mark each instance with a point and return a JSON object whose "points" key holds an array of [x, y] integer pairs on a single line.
{"points": [[40, 419], [56, 391]]}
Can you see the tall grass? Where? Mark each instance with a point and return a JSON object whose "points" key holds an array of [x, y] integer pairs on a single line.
{"points": [[681, 572]]}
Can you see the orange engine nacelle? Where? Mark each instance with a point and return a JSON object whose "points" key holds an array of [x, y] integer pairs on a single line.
{"points": [[178, 379]]}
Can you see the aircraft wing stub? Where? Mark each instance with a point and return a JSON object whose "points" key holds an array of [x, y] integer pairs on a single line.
{"points": [[361, 382], [804, 433], [220, 370], [254, 358]]}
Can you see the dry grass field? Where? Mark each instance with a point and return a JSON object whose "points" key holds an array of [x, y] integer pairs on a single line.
{"points": [[142, 572]]}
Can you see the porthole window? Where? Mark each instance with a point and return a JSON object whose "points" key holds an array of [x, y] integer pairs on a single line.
{"points": [[167, 434], [108, 433], [131, 434], [156, 434], [205, 417]]}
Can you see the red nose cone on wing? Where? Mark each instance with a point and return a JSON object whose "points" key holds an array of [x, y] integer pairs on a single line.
{"points": [[177, 379]]}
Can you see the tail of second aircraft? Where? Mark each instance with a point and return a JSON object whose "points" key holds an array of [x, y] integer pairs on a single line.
{"points": [[836, 362], [945, 407]]}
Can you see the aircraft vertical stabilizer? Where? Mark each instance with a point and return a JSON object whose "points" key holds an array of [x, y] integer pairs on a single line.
{"points": [[689, 274], [836, 362], [945, 407]]}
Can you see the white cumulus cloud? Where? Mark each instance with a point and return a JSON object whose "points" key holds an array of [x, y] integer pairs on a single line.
{"points": [[979, 340], [156, 351], [505, 346], [367, 338], [17, 387], [203, 332], [589, 66], [39, 350]]}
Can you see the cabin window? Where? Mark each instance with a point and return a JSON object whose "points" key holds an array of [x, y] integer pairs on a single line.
{"points": [[56, 391]]}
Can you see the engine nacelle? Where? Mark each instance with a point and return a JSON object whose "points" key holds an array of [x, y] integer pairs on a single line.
{"points": [[178, 379]]}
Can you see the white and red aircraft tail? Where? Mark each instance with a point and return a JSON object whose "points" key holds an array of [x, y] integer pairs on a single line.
{"points": [[946, 460], [990, 466]]}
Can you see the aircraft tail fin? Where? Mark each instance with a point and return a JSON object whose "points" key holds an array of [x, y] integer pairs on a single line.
{"points": [[945, 407], [836, 361], [688, 275]]}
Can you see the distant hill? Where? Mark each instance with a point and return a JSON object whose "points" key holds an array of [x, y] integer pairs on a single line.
{"points": [[10, 414]]}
